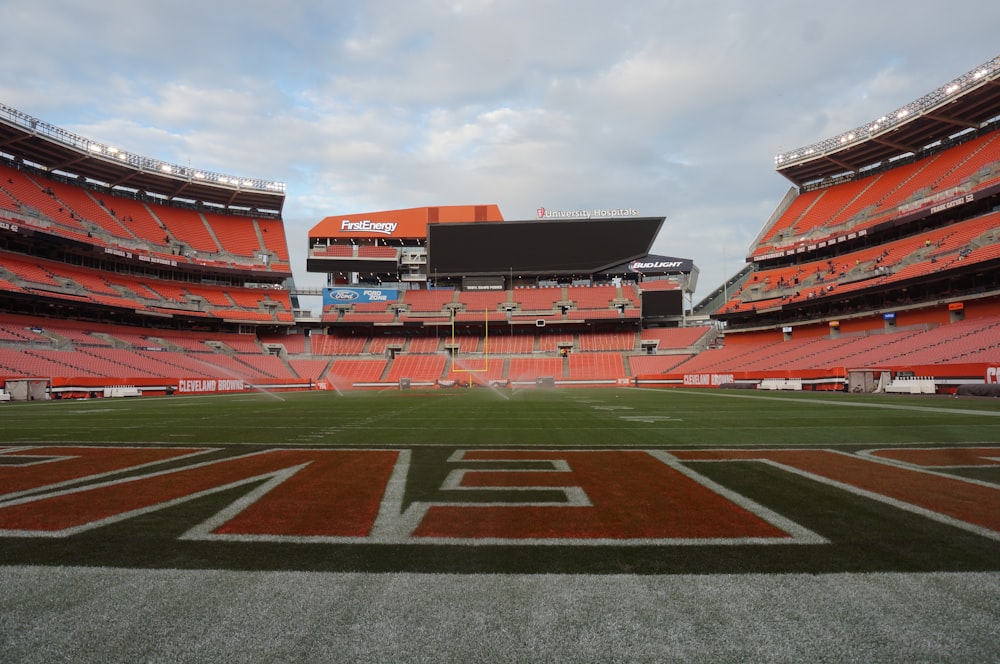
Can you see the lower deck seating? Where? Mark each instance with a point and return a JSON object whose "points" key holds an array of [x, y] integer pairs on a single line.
{"points": [[40, 347]]}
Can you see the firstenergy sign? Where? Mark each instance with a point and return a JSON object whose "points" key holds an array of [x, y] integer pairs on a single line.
{"points": [[368, 226]]}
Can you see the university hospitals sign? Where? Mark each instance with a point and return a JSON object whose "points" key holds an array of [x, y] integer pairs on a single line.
{"points": [[597, 213]]}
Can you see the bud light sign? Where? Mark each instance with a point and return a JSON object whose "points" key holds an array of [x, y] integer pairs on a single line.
{"points": [[357, 294]]}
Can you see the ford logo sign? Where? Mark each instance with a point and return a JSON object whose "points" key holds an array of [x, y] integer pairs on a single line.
{"points": [[344, 295]]}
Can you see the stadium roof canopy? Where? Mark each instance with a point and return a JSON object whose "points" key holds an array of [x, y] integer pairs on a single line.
{"points": [[53, 149], [969, 102]]}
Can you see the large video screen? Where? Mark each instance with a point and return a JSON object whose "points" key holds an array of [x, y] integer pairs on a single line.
{"points": [[543, 246], [663, 303]]}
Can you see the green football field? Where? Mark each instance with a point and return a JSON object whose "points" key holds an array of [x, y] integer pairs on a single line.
{"points": [[501, 525], [483, 416]]}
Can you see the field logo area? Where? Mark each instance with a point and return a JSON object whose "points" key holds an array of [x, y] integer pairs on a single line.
{"points": [[476, 497]]}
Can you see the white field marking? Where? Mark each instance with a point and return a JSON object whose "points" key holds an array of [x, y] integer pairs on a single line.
{"points": [[871, 454], [393, 525], [574, 496], [926, 470], [893, 502], [87, 478], [612, 407], [19, 452], [799, 534], [858, 404], [285, 473], [115, 518], [396, 527], [312, 434], [649, 419], [203, 531]]}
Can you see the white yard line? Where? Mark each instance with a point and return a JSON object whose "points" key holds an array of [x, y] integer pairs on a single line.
{"points": [[858, 404]]}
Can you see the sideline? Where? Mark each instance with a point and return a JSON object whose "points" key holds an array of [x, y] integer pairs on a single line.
{"points": [[860, 404]]}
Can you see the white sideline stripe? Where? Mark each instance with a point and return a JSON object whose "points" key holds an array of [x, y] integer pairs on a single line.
{"points": [[858, 404]]}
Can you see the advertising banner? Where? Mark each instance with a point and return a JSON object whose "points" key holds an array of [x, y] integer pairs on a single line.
{"points": [[357, 294]]}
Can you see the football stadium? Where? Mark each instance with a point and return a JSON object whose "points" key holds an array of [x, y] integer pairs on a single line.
{"points": [[503, 439]]}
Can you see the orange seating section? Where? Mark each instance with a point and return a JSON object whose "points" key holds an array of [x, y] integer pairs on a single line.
{"points": [[32, 346], [64, 281], [855, 205], [143, 227], [895, 261]]}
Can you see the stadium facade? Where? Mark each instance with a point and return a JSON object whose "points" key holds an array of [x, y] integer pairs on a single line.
{"points": [[878, 270]]}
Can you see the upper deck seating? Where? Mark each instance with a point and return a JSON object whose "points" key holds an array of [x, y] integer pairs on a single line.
{"points": [[538, 299], [188, 227], [604, 341], [641, 365], [480, 301], [592, 297], [237, 235], [275, 240], [431, 301], [675, 337]]}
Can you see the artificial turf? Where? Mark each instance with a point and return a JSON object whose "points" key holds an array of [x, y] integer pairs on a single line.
{"points": [[860, 533], [620, 417]]}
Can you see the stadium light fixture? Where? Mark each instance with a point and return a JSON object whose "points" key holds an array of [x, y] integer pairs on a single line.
{"points": [[974, 78], [69, 139]]}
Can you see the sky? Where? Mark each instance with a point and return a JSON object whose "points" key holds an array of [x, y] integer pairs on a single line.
{"points": [[673, 107]]}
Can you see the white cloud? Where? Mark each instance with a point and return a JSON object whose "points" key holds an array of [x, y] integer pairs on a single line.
{"points": [[673, 107]]}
